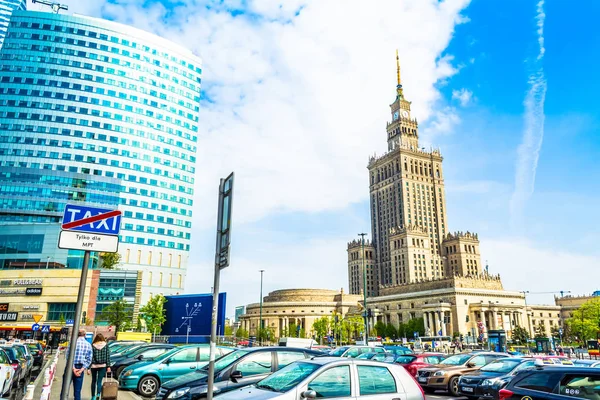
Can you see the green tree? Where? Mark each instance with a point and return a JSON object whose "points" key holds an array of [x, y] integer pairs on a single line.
{"points": [[61, 319], [118, 314], [241, 333], [540, 331], [321, 327], [391, 331], [585, 322], [415, 325], [378, 329], [154, 314], [520, 335], [110, 260], [228, 330]]}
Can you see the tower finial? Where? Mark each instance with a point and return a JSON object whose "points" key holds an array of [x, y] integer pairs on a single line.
{"points": [[398, 67], [399, 92]]}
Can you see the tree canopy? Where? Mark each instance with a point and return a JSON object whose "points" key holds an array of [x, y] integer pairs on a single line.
{"points": [[585, 322], [118, 314], [154, 314]]}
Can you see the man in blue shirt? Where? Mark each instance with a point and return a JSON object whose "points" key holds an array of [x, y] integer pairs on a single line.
{"points": [[81, 362]]}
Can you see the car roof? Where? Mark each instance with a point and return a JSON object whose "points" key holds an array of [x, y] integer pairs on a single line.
{"points": [[331, 360], [569, 369], [281, 348]]}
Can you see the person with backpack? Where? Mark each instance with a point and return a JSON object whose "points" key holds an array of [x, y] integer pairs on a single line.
{"points": [[100, 364]]}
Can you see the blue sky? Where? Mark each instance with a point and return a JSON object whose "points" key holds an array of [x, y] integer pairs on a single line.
{"points": [[299, 93]]}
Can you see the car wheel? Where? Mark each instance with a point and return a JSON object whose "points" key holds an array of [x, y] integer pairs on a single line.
{"points": [[453, 386], [429, 390], [148, 386]]}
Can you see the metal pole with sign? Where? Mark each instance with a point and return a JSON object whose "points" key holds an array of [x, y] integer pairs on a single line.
{"points": [[221, 261], [88, 229]]}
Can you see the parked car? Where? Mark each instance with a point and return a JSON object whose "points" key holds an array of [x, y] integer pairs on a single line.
{"points": [[586, 363], [146, 377], [553, 382], [445, 375], [398, 350], [489, 379], [18, 364], [146, 353], [235, 370], [329, 377], [126, 348], [373, 356], [24, 353], [414, 362], [7, 375], [37, 351], [355, 351]]}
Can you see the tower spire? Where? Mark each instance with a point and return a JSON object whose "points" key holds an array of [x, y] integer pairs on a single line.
{"points": [[399, 92]]}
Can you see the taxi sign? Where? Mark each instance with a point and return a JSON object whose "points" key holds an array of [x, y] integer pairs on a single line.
{"points": [[82, 218]]}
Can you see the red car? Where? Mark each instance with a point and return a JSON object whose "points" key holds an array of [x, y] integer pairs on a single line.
{"points": [[414, 362]]}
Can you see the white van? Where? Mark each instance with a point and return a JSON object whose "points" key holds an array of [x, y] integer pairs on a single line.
{"points": [[297, 342]]}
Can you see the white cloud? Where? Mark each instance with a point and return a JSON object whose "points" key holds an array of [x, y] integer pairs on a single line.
{"points": [[525, 266], [528, 152], [319, 264], [301, 91], [464, 96]]}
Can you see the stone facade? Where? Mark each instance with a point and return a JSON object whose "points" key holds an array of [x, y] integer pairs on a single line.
{"points": [[301, 307], [356, 260]]}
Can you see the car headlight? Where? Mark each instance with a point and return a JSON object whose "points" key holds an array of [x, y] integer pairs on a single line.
{"points": [[127, 373], [440, 373], [178, 393], [487, 382]]}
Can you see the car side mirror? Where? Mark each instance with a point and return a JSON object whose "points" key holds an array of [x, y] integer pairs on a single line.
{"points": [[235, 375], [168, 361], [309, 394], [140, 357], [470, 364]]}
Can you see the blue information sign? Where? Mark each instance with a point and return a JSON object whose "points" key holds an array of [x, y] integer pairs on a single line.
{"points": [[45, 329], [35, 327], [81, 218]]}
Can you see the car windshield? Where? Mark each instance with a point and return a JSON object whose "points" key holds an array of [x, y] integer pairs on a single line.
{"points": [[10, 352], [165, 355], [134, 350], [226, 361], [338, 352], [458, 359], [505, 365], [20, 351], [287, 377], [405, 359]]}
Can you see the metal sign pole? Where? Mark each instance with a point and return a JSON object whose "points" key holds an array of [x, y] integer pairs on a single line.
{"points": [[221, 261], [67, 376]]}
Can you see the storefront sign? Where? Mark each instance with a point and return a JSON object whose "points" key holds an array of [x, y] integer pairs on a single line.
{"points": [[9, 316], [27, 282], [12, 292], [33, 291], [31, 307], [3, 307], [26, 316]]}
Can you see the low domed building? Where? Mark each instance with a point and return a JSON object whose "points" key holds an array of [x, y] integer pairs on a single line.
{"points": [[298, 308]]}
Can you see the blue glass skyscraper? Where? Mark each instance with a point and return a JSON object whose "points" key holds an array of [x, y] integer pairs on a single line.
{"points": [[6, 9], [97, 112]]}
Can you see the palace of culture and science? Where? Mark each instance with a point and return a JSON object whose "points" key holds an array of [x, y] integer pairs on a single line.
{"points": [[411, 242]]}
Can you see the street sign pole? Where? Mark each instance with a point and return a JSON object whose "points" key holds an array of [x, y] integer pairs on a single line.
{"points": [[221, 261], [66, 384]]}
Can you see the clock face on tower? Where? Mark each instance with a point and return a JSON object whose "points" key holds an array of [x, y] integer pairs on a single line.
{"points": [[404, 114]]}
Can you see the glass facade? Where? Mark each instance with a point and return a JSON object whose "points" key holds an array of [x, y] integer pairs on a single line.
{"points": [[98, 112], [6, 9], [114, 286]]}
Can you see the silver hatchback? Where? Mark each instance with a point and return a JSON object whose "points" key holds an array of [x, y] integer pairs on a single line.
{"points": [[343, 378]]}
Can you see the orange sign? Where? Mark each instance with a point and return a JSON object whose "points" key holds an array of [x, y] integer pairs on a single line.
{"points": [[37, 317]]}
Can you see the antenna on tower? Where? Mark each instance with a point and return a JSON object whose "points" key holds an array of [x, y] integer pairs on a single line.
{"points": [[56, 7]]}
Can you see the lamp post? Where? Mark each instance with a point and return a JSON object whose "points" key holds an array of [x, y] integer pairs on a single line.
{"points": [[527, 314], [366, 334], [260, 321]]}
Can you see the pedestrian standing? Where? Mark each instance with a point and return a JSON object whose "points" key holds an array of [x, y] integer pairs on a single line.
{"points": [[81, 362], [100, 364]]}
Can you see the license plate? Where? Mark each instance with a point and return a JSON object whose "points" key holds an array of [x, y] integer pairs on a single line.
{"points": [[467, 389], [421, 379]]}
